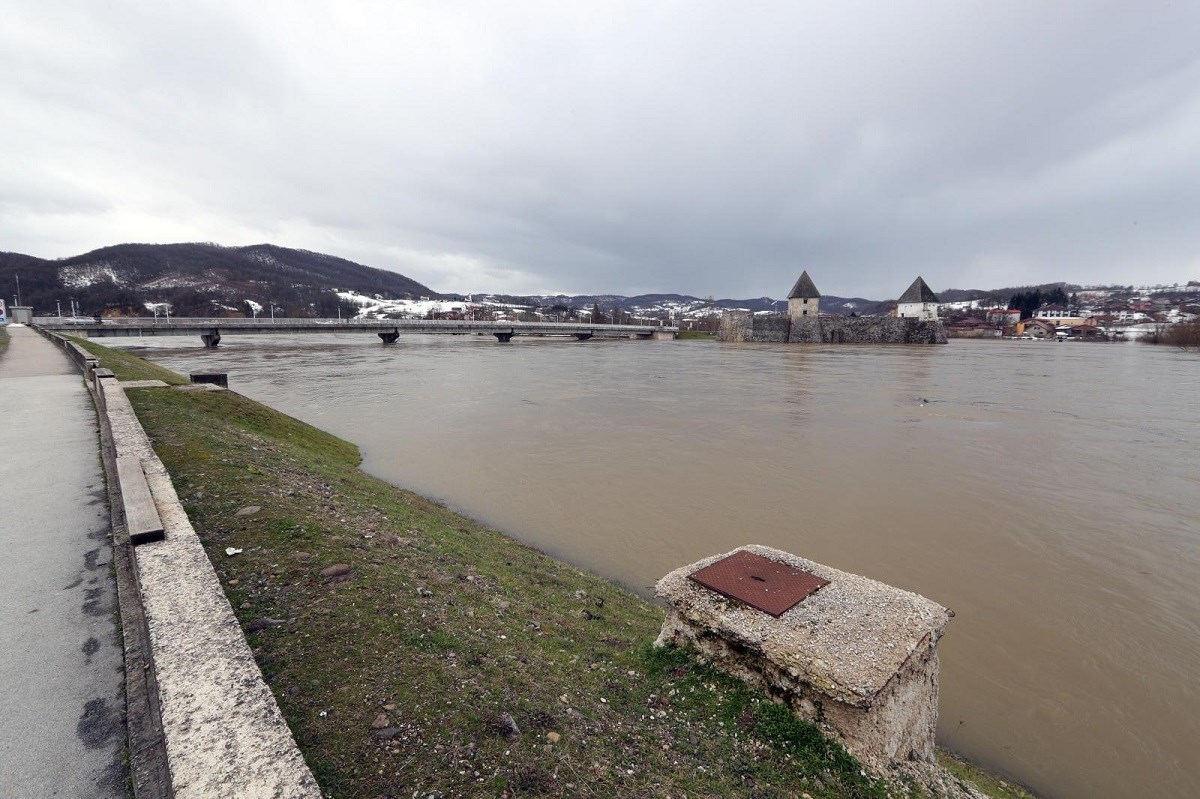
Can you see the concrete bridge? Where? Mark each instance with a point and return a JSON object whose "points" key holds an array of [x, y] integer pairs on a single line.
{"points": [[210, 329]]}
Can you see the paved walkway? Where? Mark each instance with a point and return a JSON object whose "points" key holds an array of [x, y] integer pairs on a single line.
{"points": [[62, 700]]}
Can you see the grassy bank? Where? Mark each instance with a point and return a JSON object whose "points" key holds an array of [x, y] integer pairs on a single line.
{"points": [[413, 650], [126, 366], [696, 334]]}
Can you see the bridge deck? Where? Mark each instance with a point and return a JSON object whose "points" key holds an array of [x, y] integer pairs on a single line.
{"points": [[188, 326]]}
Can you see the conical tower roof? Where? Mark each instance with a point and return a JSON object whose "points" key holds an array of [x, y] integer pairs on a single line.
{"points": [[919, 291], [804, 289]]}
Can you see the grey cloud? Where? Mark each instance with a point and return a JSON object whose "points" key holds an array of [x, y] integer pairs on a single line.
{"points": [[699, 148]]}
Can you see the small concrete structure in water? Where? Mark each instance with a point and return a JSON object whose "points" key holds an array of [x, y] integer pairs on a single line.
{"points": [[212, 378], [855, 656]]}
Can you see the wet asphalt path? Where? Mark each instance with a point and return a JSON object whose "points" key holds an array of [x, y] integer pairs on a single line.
{"points": [[62, 702]]}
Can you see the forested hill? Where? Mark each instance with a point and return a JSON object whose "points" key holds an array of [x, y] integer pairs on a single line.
{"points": [[198, 280]]}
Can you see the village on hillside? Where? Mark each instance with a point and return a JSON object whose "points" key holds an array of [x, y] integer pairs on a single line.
{"points": [[1091, 313]]}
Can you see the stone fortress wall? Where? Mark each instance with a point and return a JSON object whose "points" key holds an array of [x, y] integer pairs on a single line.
{"points": [[782, 328]]}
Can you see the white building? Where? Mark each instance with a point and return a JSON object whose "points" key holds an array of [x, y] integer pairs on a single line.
{"points": [[918, 302]]}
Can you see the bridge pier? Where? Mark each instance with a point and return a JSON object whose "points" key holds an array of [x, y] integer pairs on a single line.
{"points": [[389, 336], [583, 336], [211, 339], [503, 338]]}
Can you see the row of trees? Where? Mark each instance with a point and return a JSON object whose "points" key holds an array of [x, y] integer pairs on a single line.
{"points": [[1029, 301], [1183, 334]]}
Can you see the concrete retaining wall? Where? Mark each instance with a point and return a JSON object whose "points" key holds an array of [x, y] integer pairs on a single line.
{"points": [[224, 733]]}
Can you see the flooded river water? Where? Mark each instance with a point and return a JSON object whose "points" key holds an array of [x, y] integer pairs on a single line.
{"points": [[1048, 493]]}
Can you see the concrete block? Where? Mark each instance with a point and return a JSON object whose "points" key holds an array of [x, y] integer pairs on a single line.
{"points": [[141, 515], [857, 657]]}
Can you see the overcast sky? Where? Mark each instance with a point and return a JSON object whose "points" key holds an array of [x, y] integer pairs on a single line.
{"points": [[693, 147]]}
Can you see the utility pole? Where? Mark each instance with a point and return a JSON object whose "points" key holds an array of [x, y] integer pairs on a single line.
{"points": [[58, 305], [18, 277]]}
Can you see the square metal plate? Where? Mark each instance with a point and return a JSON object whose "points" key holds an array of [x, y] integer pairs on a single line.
{"points": [[762, 583]]}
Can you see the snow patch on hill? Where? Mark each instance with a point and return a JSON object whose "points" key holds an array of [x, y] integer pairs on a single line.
{"points": [[78, 276], [174, 281]]}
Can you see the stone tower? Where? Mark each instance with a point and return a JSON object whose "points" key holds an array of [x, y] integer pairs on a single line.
{"points": [[803, 298], [918, 302]]}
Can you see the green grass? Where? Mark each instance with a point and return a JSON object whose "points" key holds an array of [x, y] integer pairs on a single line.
{"points": [[126, 366], [447, 630], [697, 334], [4, 339]]}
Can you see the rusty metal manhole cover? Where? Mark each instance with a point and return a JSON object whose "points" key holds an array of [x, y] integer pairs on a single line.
{"points": [[766, 584]]}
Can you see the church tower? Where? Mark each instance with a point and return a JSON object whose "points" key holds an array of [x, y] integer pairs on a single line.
{"points": [[804, 298]]}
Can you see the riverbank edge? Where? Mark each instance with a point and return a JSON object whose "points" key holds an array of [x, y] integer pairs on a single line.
{"points": [[133, 368]]}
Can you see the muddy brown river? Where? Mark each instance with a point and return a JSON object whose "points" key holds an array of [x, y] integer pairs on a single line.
{"points": [[1047, 492]]}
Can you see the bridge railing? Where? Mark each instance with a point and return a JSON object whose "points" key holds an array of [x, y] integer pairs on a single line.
{"points": [[232, 323]]}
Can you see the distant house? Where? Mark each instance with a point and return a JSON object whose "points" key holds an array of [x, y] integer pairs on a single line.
{"points": [[1052, 312], [972, 328], [918, 302], [1038, 328], [1059, 315], [1004, 316], [804, 299], [1088, 328]]}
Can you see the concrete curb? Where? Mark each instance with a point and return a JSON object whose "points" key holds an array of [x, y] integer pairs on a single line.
{"points": [[221, 733], [148, 767]]}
